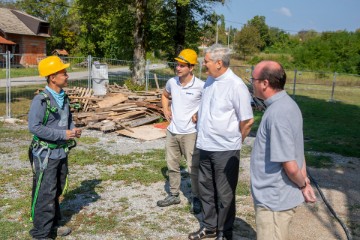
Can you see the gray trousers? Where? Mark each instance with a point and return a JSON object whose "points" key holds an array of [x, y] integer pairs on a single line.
{"points": [[178, 145], [218, 177], [47, 208]]}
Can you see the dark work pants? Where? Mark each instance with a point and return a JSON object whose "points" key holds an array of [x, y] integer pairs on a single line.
{"points": [[218, 177], [47, 208]]}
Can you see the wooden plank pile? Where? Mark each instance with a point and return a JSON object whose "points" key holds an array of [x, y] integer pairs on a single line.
{"points": [[119, 109]]}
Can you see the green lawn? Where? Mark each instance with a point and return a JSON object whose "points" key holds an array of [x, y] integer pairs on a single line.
{"points": [[328, 126]]}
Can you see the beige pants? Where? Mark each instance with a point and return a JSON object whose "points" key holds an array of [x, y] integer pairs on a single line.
{"points": [[273, 225], [178, 145]]}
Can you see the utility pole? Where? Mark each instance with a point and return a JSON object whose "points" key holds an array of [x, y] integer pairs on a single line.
{"points": [[228, 37], [217, 33]]}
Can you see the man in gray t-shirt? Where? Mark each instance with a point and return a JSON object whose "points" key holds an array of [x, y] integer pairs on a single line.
{"points": [[279, 180]]}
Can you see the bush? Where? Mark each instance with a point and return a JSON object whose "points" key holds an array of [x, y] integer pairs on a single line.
{"points": [[133, 86]]}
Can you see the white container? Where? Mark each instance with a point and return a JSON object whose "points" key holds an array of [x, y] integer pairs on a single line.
{"points": [[100, 79]]}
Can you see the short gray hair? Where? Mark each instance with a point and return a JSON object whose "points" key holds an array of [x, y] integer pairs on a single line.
{"points": [[219, 52]]}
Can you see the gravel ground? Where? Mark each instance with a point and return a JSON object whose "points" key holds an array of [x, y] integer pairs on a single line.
{"points": [[134, 205]]}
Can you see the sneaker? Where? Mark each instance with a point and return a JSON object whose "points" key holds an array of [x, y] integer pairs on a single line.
{"points": [[63, 231], [169, 200], [195, 206]]}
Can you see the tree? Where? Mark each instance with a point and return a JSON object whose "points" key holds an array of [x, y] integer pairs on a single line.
{"points": [[259, 23], [139, 42], [248, 40]]}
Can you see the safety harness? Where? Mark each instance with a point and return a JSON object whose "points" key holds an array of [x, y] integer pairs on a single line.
{"points": [[46, 146]]}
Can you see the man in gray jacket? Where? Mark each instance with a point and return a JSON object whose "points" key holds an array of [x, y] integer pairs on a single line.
{"points": [[50, 121]]}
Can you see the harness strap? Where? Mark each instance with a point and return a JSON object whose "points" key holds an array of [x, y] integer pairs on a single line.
{"points": [[46, 146]]}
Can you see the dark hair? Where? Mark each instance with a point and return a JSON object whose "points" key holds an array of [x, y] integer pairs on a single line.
{"points": [[275, 75]]}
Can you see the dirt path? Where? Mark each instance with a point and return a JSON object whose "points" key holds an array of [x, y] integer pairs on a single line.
{"points": [[113, 209]]}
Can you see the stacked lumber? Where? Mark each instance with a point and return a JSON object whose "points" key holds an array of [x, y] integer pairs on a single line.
{"points": [[119, 109]]}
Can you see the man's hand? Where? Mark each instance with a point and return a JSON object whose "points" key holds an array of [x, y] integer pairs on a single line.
{"points": [[71, 134], [308, 193], [168, 115], [77, 132], [194, 118]]}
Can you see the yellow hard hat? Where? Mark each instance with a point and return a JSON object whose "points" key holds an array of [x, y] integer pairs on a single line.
{"points": [[188, 56], [51, 65]]}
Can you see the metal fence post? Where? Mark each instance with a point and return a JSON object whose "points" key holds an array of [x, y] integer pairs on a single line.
{"points": [[147, 72], [89, 60], [200, 60], [333, 88], [8, 85], [294, 86]]}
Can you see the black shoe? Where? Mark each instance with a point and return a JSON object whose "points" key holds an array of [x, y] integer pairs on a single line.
{"points": [[202, 233], [195, 206], [169, 200], [224, 236]]}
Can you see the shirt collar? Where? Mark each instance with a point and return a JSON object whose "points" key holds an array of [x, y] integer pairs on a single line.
{"points": [[188, 85], [275, 97], [224, 75]]}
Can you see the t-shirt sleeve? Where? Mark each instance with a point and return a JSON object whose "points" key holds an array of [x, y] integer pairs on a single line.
{"points": [[242, 103], [168, 86], [282, 145]]}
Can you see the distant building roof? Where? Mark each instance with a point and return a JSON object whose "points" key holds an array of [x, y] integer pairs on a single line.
{"points": [[5, 41], [60, 52], [17, 22]]}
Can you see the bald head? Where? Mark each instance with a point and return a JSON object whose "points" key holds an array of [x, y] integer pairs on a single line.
{"points": [[271, 71]]}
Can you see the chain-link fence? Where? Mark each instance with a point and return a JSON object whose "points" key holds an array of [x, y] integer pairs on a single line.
{"points": [[19, 82]]}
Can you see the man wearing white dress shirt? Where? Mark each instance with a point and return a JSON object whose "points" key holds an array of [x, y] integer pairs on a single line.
{"points": [[225, 118]]}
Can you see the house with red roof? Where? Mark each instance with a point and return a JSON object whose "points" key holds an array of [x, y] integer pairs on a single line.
{"points": [[24, 36]]}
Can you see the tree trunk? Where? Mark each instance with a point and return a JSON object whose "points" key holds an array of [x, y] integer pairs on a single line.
{"points": [[179, 38], [138, 73]]}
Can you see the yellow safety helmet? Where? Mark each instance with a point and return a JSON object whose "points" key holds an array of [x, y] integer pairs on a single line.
{"points": [[188, 56], [51, 65]]}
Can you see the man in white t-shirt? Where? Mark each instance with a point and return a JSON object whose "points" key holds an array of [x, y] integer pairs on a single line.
{"points": [[184, 93], [225, 119]]}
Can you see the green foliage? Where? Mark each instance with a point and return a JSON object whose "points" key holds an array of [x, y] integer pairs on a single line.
{"points": [[249, 41], [330, 51], [134, 86]]}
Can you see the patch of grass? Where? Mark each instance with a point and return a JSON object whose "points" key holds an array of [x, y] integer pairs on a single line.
{"points": [[5, 150], [149, 172], [243, 189], [318, 161], [9, 134], [245, 151], [354, 207], [331, 127], [87, 140], [328, 127], [10, 230]]}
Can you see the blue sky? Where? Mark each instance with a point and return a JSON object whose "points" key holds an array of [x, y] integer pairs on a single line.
{"points": [[294, 15]]}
